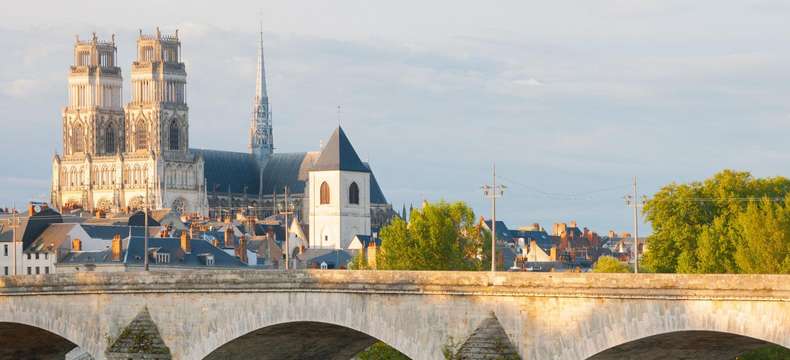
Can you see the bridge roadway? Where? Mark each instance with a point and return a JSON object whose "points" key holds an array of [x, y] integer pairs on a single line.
{"points": [[333, 314]]}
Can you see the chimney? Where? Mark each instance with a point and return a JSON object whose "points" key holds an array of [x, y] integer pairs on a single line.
{"points": [[573, 223], [76, 245], [186, 246], [215, 242], [229, 237], [372, 250], [241, 251], [553, 253], [116, 247]]}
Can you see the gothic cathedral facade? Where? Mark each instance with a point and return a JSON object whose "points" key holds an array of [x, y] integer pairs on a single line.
{"points": [[118, 158]]}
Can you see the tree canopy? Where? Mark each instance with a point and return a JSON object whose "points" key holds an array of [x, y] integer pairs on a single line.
{"points": [[730, 223], [438, 236], [608, 264]]}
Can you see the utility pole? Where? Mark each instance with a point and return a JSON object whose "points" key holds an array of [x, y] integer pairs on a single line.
{"points": [[14, 224], [631, 201], [287, 210], [145, 229], [493, 191]]}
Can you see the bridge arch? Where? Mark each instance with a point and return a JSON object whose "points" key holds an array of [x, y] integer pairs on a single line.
{"points": [[615, 325], [683, 345], [297, 340], [367, 318], [25, 341]]}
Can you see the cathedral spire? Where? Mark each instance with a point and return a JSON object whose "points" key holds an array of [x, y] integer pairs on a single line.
{"points": [[261, 139], [260, 79]]}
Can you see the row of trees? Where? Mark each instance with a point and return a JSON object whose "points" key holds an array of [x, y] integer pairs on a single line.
{"points": [[730, 223]]}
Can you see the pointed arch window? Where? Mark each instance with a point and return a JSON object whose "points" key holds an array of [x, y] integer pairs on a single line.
{"points": [[77, 138], [353, 194], [174, 135], [140, 136], [109, 140], [324, 193]]}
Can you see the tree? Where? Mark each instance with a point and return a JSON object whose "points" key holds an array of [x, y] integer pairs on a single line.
{"points": [[439, 236], [608, 264], [381, 351], [697, 227]]}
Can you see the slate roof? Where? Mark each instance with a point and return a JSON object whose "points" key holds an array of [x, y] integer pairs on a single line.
{"points": [[332, 257], [502, 232], [543, 239], [135, 251], [242, 171], [88, 257], [339, 154], [287, 169], [228, 168], [51, 238], [107, 232]]}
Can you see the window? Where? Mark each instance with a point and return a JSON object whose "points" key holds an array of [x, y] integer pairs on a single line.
{"points": [[36, 256], [38, 270], [46, 269], [28, 256], [29, 270], [162, 258], [5, 270], [46, 256], [77, 139], [353, 194], [140, 136], [5, 250], [109, 140], [174, 133], [324, 193]]}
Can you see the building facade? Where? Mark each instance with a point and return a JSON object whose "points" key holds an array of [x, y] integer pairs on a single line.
{"points": [[117, 158]]}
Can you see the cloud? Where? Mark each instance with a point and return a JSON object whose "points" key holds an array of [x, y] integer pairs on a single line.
{"points": [[21, 88], [528, 82]]}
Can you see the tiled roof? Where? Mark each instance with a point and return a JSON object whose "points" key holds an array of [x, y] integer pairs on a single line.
{"points": [[51, 238], [333, 257], [224, 169]]}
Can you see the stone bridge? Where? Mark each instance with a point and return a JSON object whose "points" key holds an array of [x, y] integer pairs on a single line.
{"points": [[334, 314]]}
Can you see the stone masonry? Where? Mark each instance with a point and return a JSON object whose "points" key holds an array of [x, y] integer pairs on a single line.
{"points": [[545, 316]]}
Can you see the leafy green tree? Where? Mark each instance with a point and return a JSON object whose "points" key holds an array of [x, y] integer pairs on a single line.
{"points": [[608, 264], [439, 236], [381, 351], [764, 238], [697, 227], [770, 352]]}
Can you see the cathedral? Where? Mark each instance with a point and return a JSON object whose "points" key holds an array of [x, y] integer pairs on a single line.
{"points": [[116, 158]]}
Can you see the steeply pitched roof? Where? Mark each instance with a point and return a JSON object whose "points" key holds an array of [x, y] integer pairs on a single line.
{"points": [[289, 169], [236, 170], [51, 238], [339, 154], [107, 232]]}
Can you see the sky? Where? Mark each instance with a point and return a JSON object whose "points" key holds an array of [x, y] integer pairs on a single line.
{"points": [[571, 99]]}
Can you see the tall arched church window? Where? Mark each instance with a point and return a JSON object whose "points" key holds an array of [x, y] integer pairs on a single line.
{"points": [[109, 140], [324, 193], [353, 194], [77, 138], [140, 136], [174, 132]]}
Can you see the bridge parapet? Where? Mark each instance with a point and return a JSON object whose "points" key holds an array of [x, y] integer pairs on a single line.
{"points": [[631, 286]]}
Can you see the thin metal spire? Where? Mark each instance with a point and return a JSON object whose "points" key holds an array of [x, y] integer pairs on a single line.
{"points": [[260, 79]]}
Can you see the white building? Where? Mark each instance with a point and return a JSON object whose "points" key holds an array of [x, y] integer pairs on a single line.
{"points": [[339, 195]]}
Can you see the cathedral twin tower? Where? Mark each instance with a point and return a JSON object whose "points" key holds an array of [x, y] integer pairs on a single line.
{"points": [[116, 158]]}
